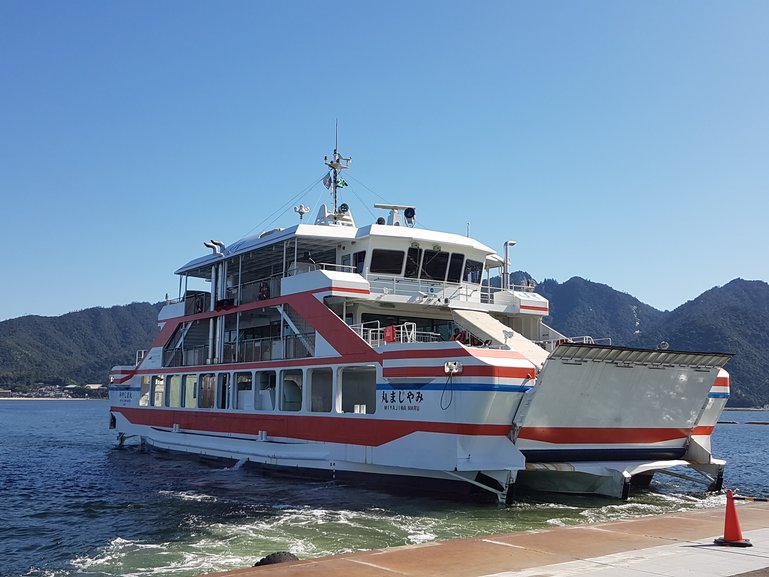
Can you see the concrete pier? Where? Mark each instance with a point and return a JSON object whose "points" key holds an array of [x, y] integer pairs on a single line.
{"points": [[671, 545]]}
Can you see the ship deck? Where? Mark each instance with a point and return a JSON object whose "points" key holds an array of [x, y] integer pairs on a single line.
{"points": [[667, 545]]}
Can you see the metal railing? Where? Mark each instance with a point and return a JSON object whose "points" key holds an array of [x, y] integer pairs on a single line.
{"points": [[431, 290], [259, 289], [248, 351], [376, 335], [551, 344]]}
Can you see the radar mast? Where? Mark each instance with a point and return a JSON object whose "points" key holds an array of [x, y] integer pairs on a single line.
{"points": [[336, 164]]}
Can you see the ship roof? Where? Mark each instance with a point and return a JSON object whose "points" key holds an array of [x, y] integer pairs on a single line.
{"points": [[326, 237]]}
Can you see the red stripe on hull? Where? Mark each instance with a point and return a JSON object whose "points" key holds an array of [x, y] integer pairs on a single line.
{"points": [[354, 430], [721, 382], [340, 289], [467, 371], [452, 353], [602, 435]]}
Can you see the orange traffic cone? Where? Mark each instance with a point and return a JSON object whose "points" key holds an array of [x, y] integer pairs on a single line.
{"points": [[732, 532]]}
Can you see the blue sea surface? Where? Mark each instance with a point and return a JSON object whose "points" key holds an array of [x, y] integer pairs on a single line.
{"points": [[74, 504]]}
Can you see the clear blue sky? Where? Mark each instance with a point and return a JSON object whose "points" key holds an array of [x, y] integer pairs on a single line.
{"points": [[624, 142]]}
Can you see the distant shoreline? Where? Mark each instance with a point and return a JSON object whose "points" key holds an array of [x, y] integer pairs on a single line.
{"points": [[51, 399], [106, 399], [746, 409]]}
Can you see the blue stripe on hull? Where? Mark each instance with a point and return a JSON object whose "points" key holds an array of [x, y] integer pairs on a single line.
{"points": [[453, 387]]}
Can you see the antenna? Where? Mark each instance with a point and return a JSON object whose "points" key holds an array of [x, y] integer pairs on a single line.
{"points": [[336, 164], [301, 210]]}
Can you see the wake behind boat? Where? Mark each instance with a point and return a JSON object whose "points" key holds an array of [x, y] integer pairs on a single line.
{"points": [[383, 352]]}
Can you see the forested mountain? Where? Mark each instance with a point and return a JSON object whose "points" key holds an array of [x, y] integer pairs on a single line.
{"points": [[81, 347], [580, 307], [75, 348], [733, 318]]}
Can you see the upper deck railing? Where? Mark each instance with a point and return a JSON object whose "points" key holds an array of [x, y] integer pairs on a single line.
{"points": [[376, 335], [551, 344], [245, 351], [430, 290]]}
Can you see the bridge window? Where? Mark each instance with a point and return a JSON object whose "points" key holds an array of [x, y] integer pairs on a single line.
{"points": [[434, 265], [358, 260], [386, 261], [413, 258], [455, 267], [473, 271]]}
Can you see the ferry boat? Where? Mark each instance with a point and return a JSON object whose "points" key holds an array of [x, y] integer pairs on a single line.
{"points": [[384, 353]]}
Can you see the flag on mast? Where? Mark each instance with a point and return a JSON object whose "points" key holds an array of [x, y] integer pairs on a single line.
{"points": [[327, 181]]}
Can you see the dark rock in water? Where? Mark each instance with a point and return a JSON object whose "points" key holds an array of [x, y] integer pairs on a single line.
{"points": [[279, 557]]}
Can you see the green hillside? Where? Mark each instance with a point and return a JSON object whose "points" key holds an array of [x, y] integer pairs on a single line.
{"points": [[75, 348]]}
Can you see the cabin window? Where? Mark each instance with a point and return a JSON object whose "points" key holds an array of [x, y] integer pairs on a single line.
{"points": [[358, 387], [190, 391], [473, 271], [434, 265], [291, 390], [174, 390], [321, 390], [207, 394], [265, 392], [386, 261], [244, 385], [413, 257], [158, 394], [358, 261], [455, 267], [223, 390], [144, 398]]}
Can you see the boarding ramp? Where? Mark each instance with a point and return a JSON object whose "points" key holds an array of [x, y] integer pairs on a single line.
{"points": [[594, 402], [487, 328]]}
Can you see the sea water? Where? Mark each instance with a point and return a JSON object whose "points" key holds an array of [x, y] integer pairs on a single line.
{"points": [[72, 503]]}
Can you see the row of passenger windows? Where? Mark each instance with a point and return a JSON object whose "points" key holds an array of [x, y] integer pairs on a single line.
{"points": [[311, 390], [426, 264]]}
